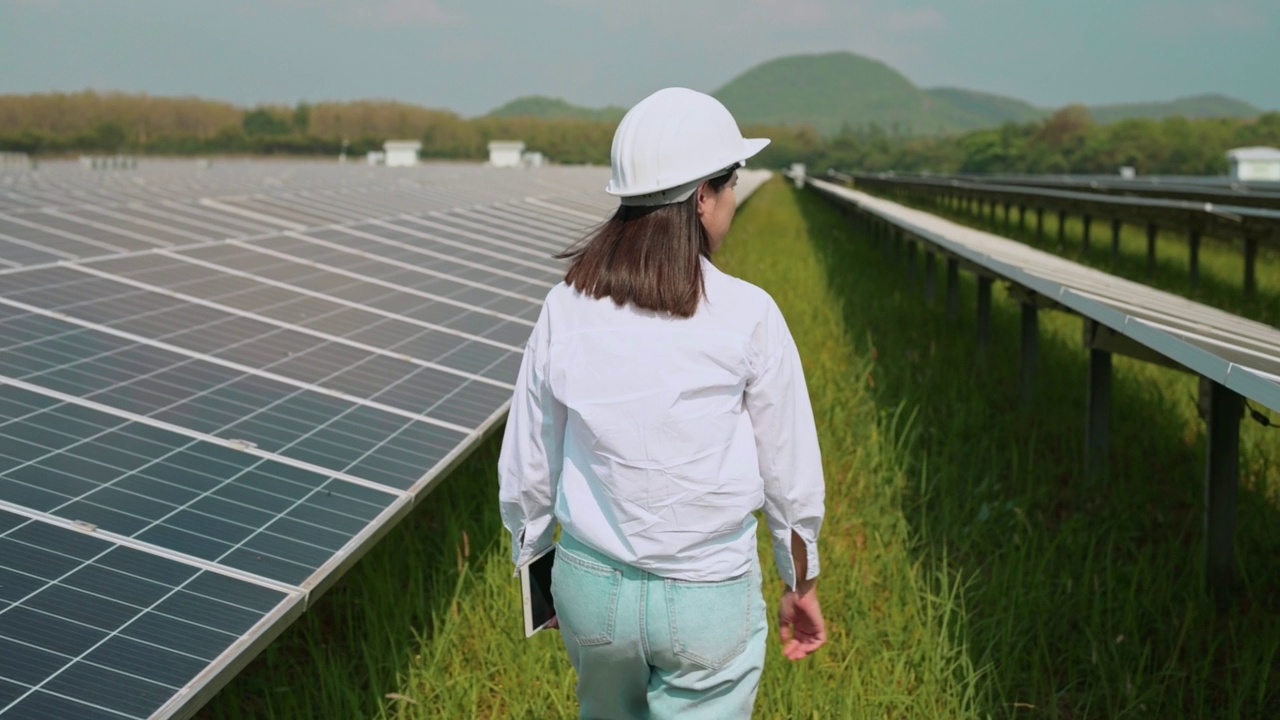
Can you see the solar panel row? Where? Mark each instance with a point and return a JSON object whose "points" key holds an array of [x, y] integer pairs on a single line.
{"points": [[217, 385], [1241, 354]]}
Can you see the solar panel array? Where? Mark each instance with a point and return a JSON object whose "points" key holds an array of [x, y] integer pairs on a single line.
{"points": [[1237, 353], [219, 384]]}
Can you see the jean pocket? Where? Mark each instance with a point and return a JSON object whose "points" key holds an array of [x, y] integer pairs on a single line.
{"points": [[586, 596], [710, 621]]}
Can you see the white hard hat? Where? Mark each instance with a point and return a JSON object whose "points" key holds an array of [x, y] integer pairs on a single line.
{"points": [[671, 142]]}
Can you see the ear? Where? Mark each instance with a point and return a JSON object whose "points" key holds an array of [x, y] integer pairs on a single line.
{"points": [[705, 196]]}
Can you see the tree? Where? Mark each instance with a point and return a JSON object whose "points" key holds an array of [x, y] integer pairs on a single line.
{"points": [[263, 122], [1065, 129], [302, 118], [108, 136]]}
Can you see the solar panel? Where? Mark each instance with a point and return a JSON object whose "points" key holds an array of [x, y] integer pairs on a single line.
{"points": [[1238, 353], [90, 628], [218, 386], [175, 490]]}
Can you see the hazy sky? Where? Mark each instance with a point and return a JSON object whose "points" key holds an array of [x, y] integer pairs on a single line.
{"points": [[473, 55]]}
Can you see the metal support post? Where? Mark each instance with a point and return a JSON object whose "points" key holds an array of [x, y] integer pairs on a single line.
{"points": [[1062, 230], [953, 288], [1115, 240], [1039, 225], [1030, 350], [1098, 410], [1193, 257], [1222, 487], [930, 277], [1022, 221], [984, 315], [1152, 232], [1250, 266], [1085, 238]]}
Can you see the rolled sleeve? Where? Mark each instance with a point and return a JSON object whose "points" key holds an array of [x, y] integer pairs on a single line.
{"points": [[532, 453], [777, 399]]}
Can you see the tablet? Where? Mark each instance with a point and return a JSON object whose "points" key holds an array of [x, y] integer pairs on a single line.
{"points": [[535, 589]]}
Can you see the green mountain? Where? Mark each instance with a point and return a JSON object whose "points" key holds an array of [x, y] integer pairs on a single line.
{"points": [[981, 109], [1194, 107], [545, 108], [833, 91], [830, 91]]}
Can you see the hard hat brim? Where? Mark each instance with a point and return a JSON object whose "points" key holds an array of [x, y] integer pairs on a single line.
{"points": [[750, 148]]}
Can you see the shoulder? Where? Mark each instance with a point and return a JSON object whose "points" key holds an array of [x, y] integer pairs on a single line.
{"points": [[553, 304], [559, 297], [558, 292], [741, 296]]}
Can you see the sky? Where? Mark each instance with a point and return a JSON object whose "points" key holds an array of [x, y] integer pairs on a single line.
{"points": [[471, 56]]}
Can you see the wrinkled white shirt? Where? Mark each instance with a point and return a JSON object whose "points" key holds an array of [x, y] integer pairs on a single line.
{"points": [[653, 439]]}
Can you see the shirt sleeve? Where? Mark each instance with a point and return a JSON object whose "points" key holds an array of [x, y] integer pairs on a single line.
{"points": [[777, 400], [532, 452]]}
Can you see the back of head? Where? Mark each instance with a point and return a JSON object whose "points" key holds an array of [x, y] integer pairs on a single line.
{"points": [[649, 253]]}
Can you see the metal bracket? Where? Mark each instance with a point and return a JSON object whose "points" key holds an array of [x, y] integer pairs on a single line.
{"points": [[1022, 295], [1100, 337]]}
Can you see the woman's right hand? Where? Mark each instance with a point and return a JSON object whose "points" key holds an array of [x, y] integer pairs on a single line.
{"points": [[800, 624]]}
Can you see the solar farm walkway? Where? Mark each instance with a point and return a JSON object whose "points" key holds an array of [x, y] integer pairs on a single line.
{"points": [[1236, 359], [220, 385]]}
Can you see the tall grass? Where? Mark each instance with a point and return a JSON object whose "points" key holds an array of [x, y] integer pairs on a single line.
{"points": [[969, 568]]}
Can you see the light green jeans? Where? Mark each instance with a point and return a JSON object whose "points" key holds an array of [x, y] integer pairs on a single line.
{"points": [[645, 646]]}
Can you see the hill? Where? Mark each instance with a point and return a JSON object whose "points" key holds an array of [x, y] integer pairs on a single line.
{"points": [[546, 108], [830, 91], [1194, 107], [834, 90], [980, 109]]}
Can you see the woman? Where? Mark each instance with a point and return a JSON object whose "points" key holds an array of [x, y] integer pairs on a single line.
{"points": [[660, 403]]}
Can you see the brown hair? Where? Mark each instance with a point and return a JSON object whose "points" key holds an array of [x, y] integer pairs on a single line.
{"points": [[647, 256]]}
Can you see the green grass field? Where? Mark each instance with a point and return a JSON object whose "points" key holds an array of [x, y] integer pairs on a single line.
{"points": [[969, 568]]}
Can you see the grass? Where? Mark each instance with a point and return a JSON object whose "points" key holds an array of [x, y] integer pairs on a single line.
{"points": [[969, 569]]}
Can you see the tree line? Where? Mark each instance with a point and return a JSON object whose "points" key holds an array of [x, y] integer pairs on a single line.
{"points": [[1069, 141]]}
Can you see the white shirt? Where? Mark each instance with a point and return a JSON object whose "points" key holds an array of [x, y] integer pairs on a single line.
{"points": [[653, 439]]}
